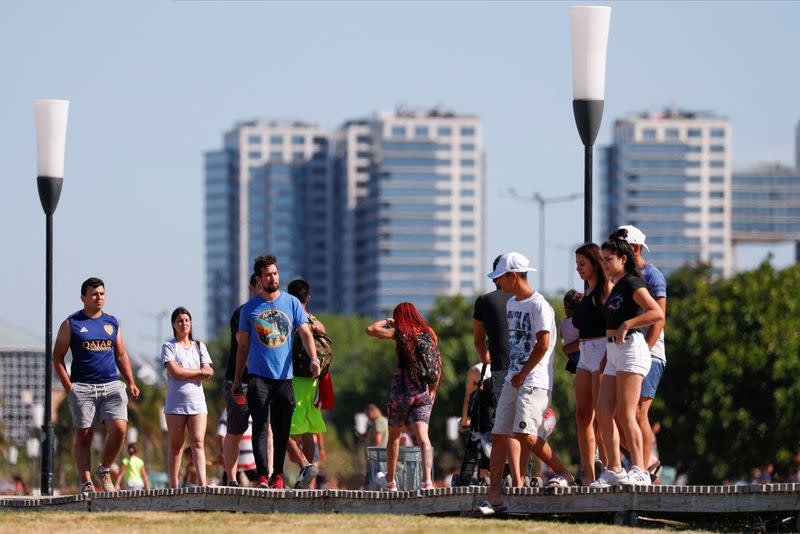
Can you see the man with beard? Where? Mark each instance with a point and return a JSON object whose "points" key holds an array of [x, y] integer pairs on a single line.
{"points": [[266, 324]]}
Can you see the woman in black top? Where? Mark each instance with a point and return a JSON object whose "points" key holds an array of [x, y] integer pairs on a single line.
{"points": [[591, 325], [628, 361]]}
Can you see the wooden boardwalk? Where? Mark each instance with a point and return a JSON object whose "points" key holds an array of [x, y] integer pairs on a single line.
{"points": [[624, 504]]}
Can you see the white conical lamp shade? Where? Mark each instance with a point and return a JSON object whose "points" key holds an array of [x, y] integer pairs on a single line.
{"points": [[51, 136], [589, 42]]}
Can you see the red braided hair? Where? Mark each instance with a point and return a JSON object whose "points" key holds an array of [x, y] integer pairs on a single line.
{"points": [[407, 324]]}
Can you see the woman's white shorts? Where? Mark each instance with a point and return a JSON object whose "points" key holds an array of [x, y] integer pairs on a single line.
{"points": [[632, 356], [592, 352]]}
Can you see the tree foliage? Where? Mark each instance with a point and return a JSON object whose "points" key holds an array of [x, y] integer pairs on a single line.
{"points": [[730, 396]]}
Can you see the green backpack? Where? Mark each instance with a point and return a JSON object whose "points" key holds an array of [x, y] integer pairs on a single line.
{"points": [[301, 360]]}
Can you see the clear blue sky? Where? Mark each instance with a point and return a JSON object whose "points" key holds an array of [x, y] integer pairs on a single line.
{"points": [[154, 84]]}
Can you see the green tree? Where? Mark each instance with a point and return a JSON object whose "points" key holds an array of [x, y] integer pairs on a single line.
{"points": [[730, 398]]}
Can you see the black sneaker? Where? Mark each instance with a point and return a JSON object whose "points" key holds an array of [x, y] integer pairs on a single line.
{"points": [[87, 487], [306, 476], [233, 484]]}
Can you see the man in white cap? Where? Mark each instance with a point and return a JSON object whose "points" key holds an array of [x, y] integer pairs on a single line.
{"points": [[525, 396], [654, 336]]}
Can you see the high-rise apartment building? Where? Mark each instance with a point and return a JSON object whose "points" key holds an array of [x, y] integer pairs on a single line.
{"points": [[417, 178], [389, 208], [269, 190], [766, 206], [669, 173]]}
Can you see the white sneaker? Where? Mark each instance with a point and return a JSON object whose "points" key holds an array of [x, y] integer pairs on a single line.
{"points": [[561, 481], [609, 478], [639, 477]]}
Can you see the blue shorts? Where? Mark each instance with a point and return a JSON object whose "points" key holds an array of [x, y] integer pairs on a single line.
{"points": [[650, 384]]}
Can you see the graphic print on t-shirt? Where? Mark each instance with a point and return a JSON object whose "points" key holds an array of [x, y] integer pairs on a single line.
{"points": [[272, 328], [614, 302], [519, 337]]}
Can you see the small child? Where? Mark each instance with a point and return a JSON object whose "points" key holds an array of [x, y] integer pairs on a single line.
{"points": [[569, 334]]}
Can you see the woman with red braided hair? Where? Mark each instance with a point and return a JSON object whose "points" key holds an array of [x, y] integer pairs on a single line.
{"points": [[408, 399]]}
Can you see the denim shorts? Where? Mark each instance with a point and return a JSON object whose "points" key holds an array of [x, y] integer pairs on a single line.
{"points": [[650, 384]]}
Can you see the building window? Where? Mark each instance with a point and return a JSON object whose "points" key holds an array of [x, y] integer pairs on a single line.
{"points": [[717, 148], [717, 164], [467, 238], [467, 253], [298, 140], [254, 139], [649, 133], [421, 131], [445, 131], [398, 131], [716, 194], [297, 156], [467, 162], [671, 133], [467, 192], [717, 179], [467, 146], [694, 148], [695, 132], [254, 154], [276, 139], [716, 209], [467, 207], [467, 177], [693, 164], [367, 140], [467, 223], [276, 156], [467, 131], [718, 132]]}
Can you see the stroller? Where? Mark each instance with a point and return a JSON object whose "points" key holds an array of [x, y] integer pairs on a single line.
{"points": [[478, 448]]}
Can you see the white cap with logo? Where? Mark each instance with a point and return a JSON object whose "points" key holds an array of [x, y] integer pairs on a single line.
{"points": [[634, 235], [511, 262]]}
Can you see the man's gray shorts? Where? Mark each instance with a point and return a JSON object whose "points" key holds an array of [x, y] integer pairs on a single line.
{"points": [[109, 399]]}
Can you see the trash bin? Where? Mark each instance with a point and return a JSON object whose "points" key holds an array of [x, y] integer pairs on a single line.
{"points": [[409, 467]]}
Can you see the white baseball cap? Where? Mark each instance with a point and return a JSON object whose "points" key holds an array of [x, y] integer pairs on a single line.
{"points": [[634, 235], [511, 262]]}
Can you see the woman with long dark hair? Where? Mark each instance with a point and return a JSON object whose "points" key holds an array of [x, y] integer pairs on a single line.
{"points": [[628, 308], [591, 324], [408, 399], [188, 364]]}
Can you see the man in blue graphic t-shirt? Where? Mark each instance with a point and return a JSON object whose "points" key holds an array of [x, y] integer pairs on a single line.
{"points": [[266, 325], [92, 385]]}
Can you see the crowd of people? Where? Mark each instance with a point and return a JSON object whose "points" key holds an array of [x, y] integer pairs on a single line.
{"points": [[274, 385]]}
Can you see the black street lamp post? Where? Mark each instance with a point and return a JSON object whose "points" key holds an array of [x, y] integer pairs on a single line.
{"points": [[589, 42], [51, 133]]}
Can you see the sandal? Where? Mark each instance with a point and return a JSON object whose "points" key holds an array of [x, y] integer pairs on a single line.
{"points": [[654, 470], [486, 509]]}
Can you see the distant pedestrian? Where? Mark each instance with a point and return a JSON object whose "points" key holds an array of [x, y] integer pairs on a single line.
{"points": [[267, 325], [92, 386], [188, 365], [627, 363], [590, 320], [378, 427], [133, 472], [409, 398], [525, 396], [654, 337], [238, 421]]}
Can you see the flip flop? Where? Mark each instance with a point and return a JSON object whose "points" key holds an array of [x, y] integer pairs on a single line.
{"points": [[485, 509]]}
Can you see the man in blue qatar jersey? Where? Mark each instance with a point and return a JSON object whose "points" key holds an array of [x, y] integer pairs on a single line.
{"points": [[92, 385]]}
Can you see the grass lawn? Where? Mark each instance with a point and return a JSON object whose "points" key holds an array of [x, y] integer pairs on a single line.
{"points": [[215, 522]]}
